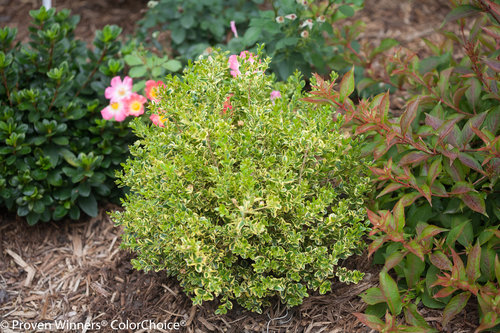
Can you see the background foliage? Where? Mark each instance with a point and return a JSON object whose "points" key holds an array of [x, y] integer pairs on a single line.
{"points": [[57, 155], [436, 217]]}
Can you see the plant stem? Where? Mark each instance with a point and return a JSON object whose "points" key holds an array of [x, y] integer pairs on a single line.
{"points": [[4, 79], [93, 72]]}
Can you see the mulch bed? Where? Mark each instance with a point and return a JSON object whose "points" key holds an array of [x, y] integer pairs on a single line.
{"points": [[75, 271]]}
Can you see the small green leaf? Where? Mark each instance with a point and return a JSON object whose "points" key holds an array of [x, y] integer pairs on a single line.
{"points": [[347, 10], [133, 60], [252, 35], [172, 65], [139, 71]]}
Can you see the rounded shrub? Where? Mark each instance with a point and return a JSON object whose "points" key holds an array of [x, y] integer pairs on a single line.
{"points": [[57, 154], [243, 193]]}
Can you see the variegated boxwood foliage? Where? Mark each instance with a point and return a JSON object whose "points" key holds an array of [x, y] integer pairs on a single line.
{"points": [[241, 196]]}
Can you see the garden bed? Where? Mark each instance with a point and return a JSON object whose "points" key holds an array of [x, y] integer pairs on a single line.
{"points": [[75, 271]]}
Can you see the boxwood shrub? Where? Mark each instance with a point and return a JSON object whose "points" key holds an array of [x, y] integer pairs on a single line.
{"points": [[239, 195]]}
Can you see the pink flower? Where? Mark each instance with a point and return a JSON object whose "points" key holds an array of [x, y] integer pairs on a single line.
{"points": [[134, 104], [157, 120], [234, 65], [233, 29], [152, 89], [115, 110], [118, 89], [275, 94], [227, 105], [248, 56], [291, 16]]}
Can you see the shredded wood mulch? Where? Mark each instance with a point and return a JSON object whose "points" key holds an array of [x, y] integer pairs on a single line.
{"points": [[76, 272]]}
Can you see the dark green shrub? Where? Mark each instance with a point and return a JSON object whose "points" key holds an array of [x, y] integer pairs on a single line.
{"points": [[303, 35], [242, 194], [436, 217], [57, 154], [193, 25]]}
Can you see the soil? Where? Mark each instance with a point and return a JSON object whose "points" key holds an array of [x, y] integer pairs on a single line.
{"points": [[75, 271]]}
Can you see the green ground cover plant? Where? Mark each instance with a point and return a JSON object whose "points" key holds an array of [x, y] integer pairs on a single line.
{"points": [[245, 192], [436, 215]]}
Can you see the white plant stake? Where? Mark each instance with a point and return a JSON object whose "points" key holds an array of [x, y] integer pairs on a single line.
{"points": [[47, 4]]}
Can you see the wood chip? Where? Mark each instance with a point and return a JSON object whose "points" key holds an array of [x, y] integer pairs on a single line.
{"points": [[29, 269]]}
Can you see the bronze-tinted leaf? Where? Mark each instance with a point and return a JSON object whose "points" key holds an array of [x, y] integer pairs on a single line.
{"points": [[408, 116], [454, 307], [471, 162], [475, 202], [414, 157], [441, 261], [473, 263]]}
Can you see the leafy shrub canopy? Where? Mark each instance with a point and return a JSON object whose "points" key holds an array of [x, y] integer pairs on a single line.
{"points": [[57, 156], [240, 195]]}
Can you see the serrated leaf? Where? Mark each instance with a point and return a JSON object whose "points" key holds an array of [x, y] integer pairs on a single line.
{"points": [[413, 158], [408, 116], [410, 198], [475, 202], [371, 321], [430, 231], [413, 317], [394, 259], [346, 85], [441, 261], [414, 247], [471, 162], [434, 170], [139, 71], [390, 188], [433, 122], [467, 132], [461, 12], [474, 263], [456, 304], [497, 268], [373, 296], [390, 291], [399, 215], [462, 188]]}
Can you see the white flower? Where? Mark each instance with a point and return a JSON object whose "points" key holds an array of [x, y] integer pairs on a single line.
{"points": [[307, 23], [280, 19], [304, 34], [291, 16], [303, 2], [321, 18]]}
